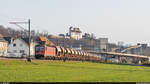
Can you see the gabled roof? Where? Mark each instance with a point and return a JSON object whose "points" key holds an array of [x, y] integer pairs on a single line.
{"points": [[2, 40], [46, 41], [26, 40], [8, 39]]}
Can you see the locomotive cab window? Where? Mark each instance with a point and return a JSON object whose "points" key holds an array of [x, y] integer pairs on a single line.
{"points": [[37, 48], [42, 48]]}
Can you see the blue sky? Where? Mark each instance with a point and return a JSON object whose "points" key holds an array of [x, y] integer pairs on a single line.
{"points": [[119, 20]]}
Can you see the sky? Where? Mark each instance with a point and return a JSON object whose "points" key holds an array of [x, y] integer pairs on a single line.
{"points": [[118, 20]]}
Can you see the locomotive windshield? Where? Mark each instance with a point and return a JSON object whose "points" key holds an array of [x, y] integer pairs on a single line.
{"points": [[37, 48], [42, 48]]}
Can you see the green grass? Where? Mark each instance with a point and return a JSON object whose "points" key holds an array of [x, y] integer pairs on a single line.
{"points": [[70, 71]]}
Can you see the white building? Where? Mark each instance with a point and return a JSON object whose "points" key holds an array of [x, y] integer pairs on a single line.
{"points": [[20, 48], [75, 33]]}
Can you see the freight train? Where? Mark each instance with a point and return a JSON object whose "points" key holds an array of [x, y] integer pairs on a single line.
{"points": [[61, 53]]}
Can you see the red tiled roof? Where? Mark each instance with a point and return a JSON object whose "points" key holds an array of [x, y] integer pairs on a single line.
{"points": [[42, 38]]}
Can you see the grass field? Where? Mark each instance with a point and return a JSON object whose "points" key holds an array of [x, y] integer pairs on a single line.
{"points": [[70, 71]]}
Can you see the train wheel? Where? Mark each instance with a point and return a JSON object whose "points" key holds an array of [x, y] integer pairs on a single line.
{"points": [[54, 58], [64, 59], [49, 58]]}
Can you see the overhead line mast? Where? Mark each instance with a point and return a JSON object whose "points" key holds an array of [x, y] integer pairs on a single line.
{"points": [[29, 36]]}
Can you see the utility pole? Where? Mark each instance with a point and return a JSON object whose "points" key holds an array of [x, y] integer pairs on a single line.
{"points": [[29, 36], [29, 59]]}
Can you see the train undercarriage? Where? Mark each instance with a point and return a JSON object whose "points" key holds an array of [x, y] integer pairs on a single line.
{"points": [[68, 57]]}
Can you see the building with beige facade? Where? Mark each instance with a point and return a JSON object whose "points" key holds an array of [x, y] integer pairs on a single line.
{"points": [[3, 46]]}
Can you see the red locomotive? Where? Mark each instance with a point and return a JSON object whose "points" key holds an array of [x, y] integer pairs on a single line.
{"points": [[44, 51]]}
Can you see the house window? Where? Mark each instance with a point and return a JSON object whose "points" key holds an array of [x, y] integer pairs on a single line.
{"points": [[14, 45], [21, 51], [15, 51]]}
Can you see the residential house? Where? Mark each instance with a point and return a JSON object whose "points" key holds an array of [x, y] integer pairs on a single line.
{"points": [[19, 47], [3, 46]]}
